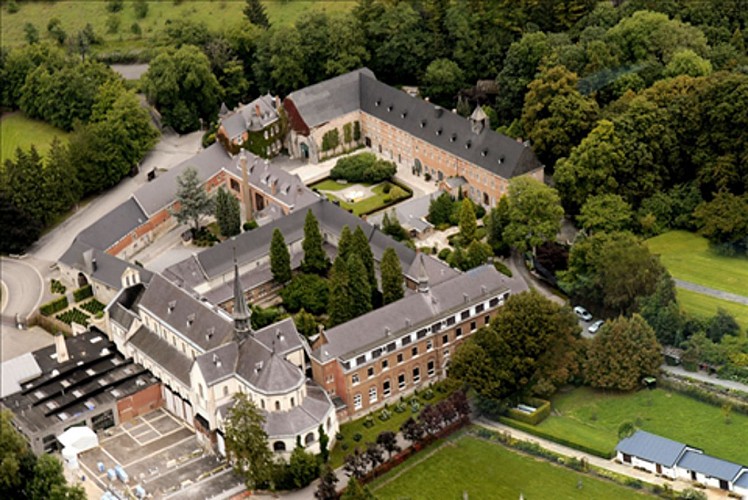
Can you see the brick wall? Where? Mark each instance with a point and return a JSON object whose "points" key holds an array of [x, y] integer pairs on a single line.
{"points": [[139, 403]]}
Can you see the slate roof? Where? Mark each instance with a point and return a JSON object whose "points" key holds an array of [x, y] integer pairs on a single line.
{"points": [[324, 101], [193, 319], [163, 354], [219, 363], [281, 336], [742, 481], [108, 269], [301, 418], [349, 339], [652, 448], [411, 213], [497, 153], [245, 118], [122, 309], [113, 226], [710, 466]]}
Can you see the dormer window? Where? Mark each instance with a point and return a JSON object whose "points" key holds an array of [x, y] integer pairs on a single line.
{"points": [[468, 144], [172, 305], [501, 159], [438, 131], [190, 319], [484, 152], [453, 138], [403, 114], [390, 107], [377, 102], [423, 123]]}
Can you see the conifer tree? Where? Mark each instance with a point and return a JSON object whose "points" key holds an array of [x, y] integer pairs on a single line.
{"points": [[228, 213], [192, 199], [315, 259], [392, 277], [280, 259], [359, 285], [468, 224], [340, 307], [345, 243], [255, 13]]}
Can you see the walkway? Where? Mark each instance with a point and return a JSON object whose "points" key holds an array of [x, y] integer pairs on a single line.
{"points": [[703, 377], [519, 270], [719, 294]]}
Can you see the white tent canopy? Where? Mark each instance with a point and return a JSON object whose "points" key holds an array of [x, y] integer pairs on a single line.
{"points": [[79, 439]]}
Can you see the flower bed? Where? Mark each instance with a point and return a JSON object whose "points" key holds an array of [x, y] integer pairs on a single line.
{"points": [[74, 315]]}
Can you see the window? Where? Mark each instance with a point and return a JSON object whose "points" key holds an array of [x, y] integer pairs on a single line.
{"points": [[385, 364], [235, 185], [479, 308], [376, 353], [372, 394], [451, 321], [416, 375], [361, 360], [293, 402], [354, 379], [414, 351], [406, 340], [445, 339], [446, 353], [386, 389], [279, 446], [421, 333], [473, 326], [401, 381], [429, 344], [465, 314], [357, 402], [200, 390], [262, 404], [493, 302], [370, 372], [225, 390], [436, 327], [399, 358], [277, 406], [487, 319], [458, 332], [391, 347], [430, 368]]}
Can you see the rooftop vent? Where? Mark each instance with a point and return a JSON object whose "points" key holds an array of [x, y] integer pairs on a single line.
{"points": [[403, 114], [190, 319], [377, 102], [465, 297], [390, 107], [483, 289], [172, 305], [438, 131], [500, 160], [209, 334], [453, 138], [387, 331], [423, 123], [258, 367], [468, 144]]}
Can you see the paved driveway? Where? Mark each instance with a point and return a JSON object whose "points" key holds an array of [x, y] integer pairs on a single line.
{"points": [[22, 288]]}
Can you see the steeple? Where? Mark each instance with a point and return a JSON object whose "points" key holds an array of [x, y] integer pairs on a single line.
{"points": [[242, 314], [478, 120], [423, 277]]}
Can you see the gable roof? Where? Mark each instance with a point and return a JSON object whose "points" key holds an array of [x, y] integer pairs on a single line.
{"points": [[162, 353], [107, 268], [652, 448], [246, 117], [710, 466], [742, 480], [113, 226]]}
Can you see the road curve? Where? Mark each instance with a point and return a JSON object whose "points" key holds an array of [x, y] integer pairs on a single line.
{"points": [[23, 285]]}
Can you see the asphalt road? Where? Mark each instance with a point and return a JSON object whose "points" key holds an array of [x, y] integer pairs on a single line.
{"points": [[22, 287]]}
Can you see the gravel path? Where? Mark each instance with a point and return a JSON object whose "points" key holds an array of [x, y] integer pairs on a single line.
{"points": [[719, 294]]}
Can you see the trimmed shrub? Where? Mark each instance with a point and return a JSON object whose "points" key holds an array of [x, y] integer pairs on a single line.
{"points": [[83, 293], [364, 167], [56, 287], [93, 306], [249, 225], [54, 306], [543, 409], [74, 315], [444, 253], [502, 268]]}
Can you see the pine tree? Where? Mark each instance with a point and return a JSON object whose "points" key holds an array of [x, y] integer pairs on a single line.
{"points": [[20, 182], [359, 285], [280, 259], [468, 224], [345, 243], [326, 489], [340, 308], [192, 199], [255, 13], [228, 213], [60, 186], [315, 259], [362, 248], [392, 276]]}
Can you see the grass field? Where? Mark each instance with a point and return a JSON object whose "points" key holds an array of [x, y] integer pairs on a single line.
{"points": [[688, 257], [705, 306], [18, 131], [487, 470], [592, 418], [364, 206], [217, 15]]}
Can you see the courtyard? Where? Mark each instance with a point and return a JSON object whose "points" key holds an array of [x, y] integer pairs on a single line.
{"points": [[161, 455], [362, 198]]}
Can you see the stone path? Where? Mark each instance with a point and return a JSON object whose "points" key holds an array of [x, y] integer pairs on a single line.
{"points": [[703, 377], [719, 294]]}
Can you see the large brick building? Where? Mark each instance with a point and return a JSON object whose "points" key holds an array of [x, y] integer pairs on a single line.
{"points": [[412, 132]]}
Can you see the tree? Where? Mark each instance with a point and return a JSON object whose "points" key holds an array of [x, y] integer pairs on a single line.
{"points": [[477, 254], [20, 182], [302, 467], [345, 243], [495, 222], [392, 276], [440, 209], [54, 28], [531, 346], [255, 13], [19, 229], [306, 291], [391, 227], [412, 430], [346, 49], [355, 491], [722, 324], [326, 489], [340, 305], [468, 224], [361, 247], [141, 9], [624, 351], [688, 62], [626, 429], [355, 464], [360, 288], [535, 214], [280, 259], [279, 61], [31, 34], [305, 323], [374, 455], [442, 81], [324, 440], [315, 259], [388, 441], [605, 212], [228, 214], [247, 442], [183, 88], [724, 221], [192, 200]]}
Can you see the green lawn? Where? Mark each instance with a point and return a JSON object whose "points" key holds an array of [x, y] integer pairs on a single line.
{"points": [[216, 14], [688, 257], [705, 306], [488, 470], [348, 430], [592, 418], [18, 131], [365, 206]]}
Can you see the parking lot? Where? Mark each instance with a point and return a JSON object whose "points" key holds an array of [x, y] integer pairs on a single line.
{"points": [[162, 455]]}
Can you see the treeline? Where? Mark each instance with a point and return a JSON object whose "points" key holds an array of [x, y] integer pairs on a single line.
{"points": [[111, 134]]}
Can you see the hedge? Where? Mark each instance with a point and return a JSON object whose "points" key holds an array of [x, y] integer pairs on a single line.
{"points": [[717, 396], [537, 432], [83, 293], [543, 409], [54, 306]]}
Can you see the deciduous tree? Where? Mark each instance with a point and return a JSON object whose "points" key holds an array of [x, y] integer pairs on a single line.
{"points": [[326, 489], [605, 212], [442, 81], [535, 214], [247, 442], [193, 201]]}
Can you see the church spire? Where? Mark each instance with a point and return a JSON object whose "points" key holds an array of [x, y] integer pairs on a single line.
{"points": [[423, 277], [242, 314]]}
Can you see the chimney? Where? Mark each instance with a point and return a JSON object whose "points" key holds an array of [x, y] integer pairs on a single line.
{"points": [[277, 102], [246, 198], [257, 111], [61, 347], [274, 186]]}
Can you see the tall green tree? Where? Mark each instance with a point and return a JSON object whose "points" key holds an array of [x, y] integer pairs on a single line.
{"points": [[228, 214], [20, 229], [535, 214], [345, 243], [495, 221], [340, 307], [440, 209], [279, 62], [355, 491], [192, 200], [442, 81], [724, 221], [60, 183], [315, 259], [247, 442], [360, 286], [468, 223], [362, 248], [255, 13], [605, 212], [280, 259], [624, 351], [346, 46], [392, 276], [302, 467], [20, 179], [326, 489]]}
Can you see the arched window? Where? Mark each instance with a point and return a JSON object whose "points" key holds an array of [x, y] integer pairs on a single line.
{"points": [[309, 439], [279, 446], [277, 406], [293, 402], [262, 404], [329, 423], [200, 390], [225, 390]]}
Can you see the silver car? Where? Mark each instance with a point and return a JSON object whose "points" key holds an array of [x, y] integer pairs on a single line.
{"points": [[583, 313], [594, 327]]}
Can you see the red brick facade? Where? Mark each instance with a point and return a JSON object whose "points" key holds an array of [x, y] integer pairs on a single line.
{"points": [[139, 403]]}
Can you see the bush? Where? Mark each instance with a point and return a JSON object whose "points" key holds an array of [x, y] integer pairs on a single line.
{"points": [[444, 253], [364, 167], [502, 268], [54, 306], [543, 409], [56, 287], [306, 291], [93, 306], [74, 315], [250, 225], [82, 293], [357, 437], [384, 415]]}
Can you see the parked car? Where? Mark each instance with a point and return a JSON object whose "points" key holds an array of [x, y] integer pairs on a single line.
{"points": [[583, 313], [594, 327]]}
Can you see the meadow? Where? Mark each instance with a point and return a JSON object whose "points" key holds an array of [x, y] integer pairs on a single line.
{"points": [[18, 131]]}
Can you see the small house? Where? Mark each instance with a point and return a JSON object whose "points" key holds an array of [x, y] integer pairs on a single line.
{"points": [[651, 452]]}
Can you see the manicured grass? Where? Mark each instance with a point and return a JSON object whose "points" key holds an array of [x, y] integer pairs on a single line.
{"points": [[333, 185], [488, 470], [369, 435], [216, 14], [593, 417], [705, 306], [688, 257], [367, 205], [17, 131]]}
